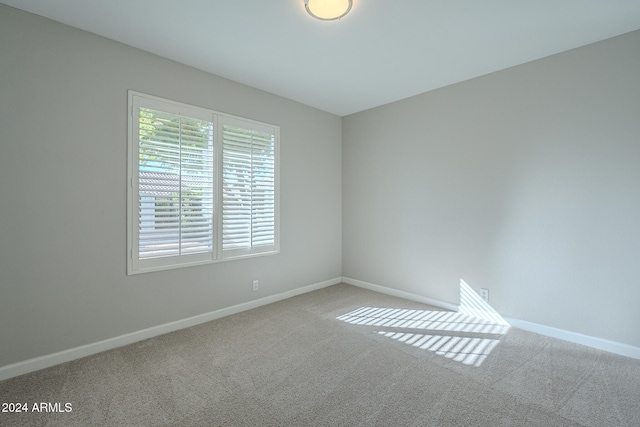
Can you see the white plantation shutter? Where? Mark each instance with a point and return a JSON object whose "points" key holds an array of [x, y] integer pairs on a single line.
{"points": [[193, 200], [249, 223], [173, 185]]}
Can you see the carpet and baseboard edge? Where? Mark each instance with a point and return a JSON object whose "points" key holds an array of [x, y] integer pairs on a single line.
{"points": [[46, 361], [42, 362], [574, 337]]}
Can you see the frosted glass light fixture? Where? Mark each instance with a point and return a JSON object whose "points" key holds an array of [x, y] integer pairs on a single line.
{"points": [[328, 10]]}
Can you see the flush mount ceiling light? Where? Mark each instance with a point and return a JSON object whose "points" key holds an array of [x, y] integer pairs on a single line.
{"points": [[328, 10]]}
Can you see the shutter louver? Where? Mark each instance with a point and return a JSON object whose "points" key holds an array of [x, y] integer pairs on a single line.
{"points": [[175, 181], [248, 187]]}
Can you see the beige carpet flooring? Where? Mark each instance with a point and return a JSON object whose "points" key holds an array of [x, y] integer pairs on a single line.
{"points": [[337, 357]]}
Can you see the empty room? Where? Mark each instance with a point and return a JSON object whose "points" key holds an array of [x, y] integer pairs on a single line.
{"points": [[319, 212]]}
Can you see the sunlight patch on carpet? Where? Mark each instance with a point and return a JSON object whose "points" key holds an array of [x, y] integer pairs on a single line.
{"points": [[460, 336]]}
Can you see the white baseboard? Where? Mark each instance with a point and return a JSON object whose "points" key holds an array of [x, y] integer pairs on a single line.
{"points": [[574, 337], [37, 363], [400, 294]]}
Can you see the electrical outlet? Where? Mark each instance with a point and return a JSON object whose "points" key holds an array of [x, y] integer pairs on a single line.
{"points": [[484, 294], [255, 285]]}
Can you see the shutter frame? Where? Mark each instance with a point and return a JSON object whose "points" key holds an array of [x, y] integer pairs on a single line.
{"points": [[184, 199], [249, 188]]}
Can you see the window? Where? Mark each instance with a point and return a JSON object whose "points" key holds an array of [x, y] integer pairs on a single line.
{"points": [[203, 186]]}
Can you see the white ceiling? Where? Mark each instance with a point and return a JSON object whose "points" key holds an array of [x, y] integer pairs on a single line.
{"points": [[383, 51]]}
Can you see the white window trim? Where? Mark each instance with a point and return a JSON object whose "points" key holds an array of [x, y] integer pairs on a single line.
{"points": [[219, 119]]}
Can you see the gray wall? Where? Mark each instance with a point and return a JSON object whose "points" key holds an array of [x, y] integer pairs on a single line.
{"points": [[525, 181], [63, 128]]}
